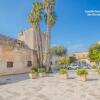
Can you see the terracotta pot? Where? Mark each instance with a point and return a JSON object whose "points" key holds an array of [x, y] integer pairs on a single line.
{"points": [[64, 76], [42, 74], [32, 76], [82, 78], [93, 69]]}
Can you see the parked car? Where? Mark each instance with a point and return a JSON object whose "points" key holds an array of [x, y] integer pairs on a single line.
{"points": [[85, 66], [74, 66]]}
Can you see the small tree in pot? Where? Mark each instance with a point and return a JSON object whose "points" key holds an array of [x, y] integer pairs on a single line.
{"points": [[98, 71], [94, 67], [82, 73], [33, 73], [42, 72], [64, 73], [63, 62]]}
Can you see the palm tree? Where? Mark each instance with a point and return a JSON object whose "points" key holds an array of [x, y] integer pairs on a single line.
{"points": [[48, 5], [50, 19], [35, 18]]}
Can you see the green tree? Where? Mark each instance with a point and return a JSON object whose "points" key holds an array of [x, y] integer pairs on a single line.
{"points": [[72, 59], [58, 51], [64, 61], [35, 18], [94, 53], [50, 19]]}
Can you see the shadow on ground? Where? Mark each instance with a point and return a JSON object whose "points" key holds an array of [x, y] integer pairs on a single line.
{"points": [[72, 77], [4, 80], [13, 78], [93, 79]]}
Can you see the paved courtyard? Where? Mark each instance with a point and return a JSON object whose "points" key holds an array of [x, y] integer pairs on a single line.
{"points": [[20, 87]]}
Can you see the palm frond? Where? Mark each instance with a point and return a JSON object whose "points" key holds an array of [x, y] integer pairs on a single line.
{"points": [[36, 14], [50, 19]]}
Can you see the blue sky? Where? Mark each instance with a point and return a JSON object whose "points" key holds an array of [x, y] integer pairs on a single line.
{"points": [[73, 29]]}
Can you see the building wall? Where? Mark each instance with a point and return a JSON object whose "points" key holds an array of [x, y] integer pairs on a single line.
{"points": [[81, 55], [19, 57], [31, 37], [21, 52], [28, 37]]}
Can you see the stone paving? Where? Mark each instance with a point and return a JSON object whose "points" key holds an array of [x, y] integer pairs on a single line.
{"points": [[20, 87]]}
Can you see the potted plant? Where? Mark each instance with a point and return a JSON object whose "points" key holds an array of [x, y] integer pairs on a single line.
{"points": [[98, 71], [64, 73], [33, 73], [94, 67], [42, 72], [82, 73]]}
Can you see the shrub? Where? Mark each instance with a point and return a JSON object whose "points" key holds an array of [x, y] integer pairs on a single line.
{"points": [[63, 61], [63, 70], [98, 71], [80, 72], [94, 67], [42, 70], [33, 70]]}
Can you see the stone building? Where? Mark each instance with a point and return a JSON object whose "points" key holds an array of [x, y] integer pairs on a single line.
{"points": [[15, 56], [18, 55], [31, 37], [82, 57]]}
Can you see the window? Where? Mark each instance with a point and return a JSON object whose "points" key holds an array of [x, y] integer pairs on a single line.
{"points": [[9, 64], [29, 63]]}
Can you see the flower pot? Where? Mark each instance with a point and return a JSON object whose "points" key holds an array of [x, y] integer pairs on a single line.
{"points": [[82, 78], [64, 76], [32, 76], [93, 69], [42, 74]]}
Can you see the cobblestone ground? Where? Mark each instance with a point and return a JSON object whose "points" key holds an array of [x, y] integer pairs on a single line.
{"points": [[20, 87]]}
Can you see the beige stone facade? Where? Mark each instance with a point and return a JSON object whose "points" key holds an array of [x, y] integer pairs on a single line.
{"points": [[28, 37], [81, 55], [15, 60], [31, 37], [19, 55], [15, 56]]}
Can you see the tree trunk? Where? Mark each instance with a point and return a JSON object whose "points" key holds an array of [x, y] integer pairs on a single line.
{"points": [[38, 44], [40, 47], [48, 46]]}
